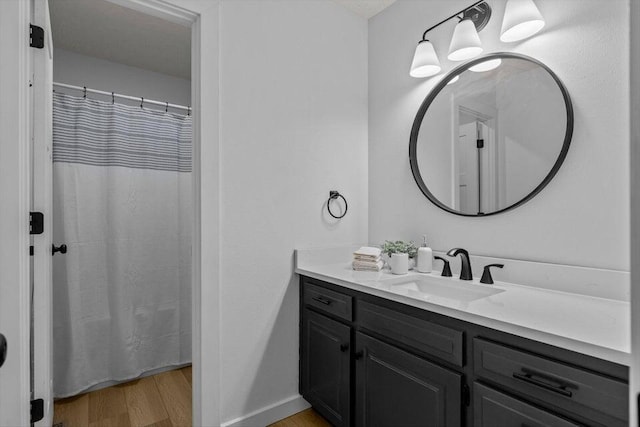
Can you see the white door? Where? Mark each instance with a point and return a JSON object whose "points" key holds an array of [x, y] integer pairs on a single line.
{"points": [[15, 177], [467, 168], [42, 192], [486, 165]]}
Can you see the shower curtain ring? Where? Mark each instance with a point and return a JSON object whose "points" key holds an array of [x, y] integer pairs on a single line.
{"points": [[141, 101], [188, 110], [113, 98], [84, 92], [166, 108]]}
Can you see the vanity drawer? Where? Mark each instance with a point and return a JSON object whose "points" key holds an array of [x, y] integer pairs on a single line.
{"points": [[492, 408], [428, 337], [329, 301], [556, 383]]}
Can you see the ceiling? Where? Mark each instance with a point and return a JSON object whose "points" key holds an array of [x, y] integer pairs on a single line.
{"points": [[366, 8], [99, 28]]}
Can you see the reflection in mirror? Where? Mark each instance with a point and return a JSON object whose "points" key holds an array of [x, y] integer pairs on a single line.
{"points": [[491, 135]]}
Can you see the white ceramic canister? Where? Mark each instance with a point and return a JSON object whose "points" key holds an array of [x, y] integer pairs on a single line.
{"points": [[399, 263]]}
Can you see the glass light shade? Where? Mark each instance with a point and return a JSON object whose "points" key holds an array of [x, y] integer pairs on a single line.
{"points": [[522, 19], [465, 43], [425, 61], [486, 65]]}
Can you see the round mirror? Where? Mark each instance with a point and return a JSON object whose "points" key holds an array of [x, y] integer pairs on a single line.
{"points": [[491, 135]]}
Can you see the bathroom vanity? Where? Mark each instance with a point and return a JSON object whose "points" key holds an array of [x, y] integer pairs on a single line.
{"points": [[371, 353]]}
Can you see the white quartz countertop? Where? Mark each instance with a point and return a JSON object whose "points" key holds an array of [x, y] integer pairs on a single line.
{"points": [[595, 326]]}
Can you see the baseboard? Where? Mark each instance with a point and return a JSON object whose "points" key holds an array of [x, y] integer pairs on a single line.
{"points": [[270, 414]]}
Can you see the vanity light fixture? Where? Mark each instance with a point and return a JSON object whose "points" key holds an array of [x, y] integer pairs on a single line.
{"points": [[465, 43], [522, 19]]}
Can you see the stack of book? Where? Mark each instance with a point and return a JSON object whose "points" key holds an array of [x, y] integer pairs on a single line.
{"points": [[367, 259]]}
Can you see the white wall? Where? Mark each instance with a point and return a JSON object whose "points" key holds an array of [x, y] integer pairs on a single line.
{"points": [[95, 73], [434, 149], [292, 112], [526, 148], [634, 377], [293, 117], [582, 216]]}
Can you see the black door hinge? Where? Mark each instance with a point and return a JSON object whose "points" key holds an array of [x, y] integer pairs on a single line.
{"points": [[466, 395], [3, 349], [36, 36], [36, 222], [31, 250], [37, 410], [480, 143]]}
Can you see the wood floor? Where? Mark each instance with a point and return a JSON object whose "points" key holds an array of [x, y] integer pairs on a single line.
{"points": [[308, 418], [162, 400]]}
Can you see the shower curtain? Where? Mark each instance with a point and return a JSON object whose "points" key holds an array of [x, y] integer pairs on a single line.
{"points": [[122, 204]]}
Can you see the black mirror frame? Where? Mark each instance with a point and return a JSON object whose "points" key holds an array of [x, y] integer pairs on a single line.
{"points": [[413, 140]]}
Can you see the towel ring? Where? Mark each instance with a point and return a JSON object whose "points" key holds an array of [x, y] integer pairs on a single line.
{"points": [[332, 196]]}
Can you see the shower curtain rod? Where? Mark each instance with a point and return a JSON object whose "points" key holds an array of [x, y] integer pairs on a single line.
{"points": [[117, 95]]}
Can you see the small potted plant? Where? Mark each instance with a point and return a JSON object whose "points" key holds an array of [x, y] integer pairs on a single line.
{"points": [[399, 253]]}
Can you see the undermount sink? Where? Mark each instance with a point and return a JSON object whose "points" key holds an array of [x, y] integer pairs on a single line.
{"points": [[429, 287]]}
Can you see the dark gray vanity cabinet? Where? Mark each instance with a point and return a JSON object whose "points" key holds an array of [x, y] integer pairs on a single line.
{"points": [[367, 361], [326, 366], [395, 388], [352, 378]]}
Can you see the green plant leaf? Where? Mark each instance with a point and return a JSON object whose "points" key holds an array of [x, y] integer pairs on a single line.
{"points": [[399, 247]]}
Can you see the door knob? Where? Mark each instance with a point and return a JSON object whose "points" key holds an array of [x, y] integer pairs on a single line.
{"points": [[62, 249], [3, 349]]}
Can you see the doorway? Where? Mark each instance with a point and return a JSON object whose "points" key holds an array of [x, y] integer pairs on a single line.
{"points": [[82, 100], [22, 99], [122, 211], [476, 173]]}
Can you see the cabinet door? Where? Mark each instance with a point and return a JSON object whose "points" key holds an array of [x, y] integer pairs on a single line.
{"points": [[494, 409], [397, 389], [325, 370]]}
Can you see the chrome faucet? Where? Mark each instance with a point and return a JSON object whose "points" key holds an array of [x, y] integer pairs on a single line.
{"points": [[465, 271]]}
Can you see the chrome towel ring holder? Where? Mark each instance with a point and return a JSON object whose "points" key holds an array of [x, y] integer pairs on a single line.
{"points": [[333, 195]]}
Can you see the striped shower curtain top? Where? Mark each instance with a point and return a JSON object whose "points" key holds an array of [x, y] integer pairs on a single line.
{"points": [[98, 133]]}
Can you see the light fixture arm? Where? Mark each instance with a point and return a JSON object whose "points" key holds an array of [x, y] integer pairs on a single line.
{"points": [[424, 35]]}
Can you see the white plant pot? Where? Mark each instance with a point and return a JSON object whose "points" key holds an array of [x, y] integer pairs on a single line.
{"points": [[399, 263]]}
